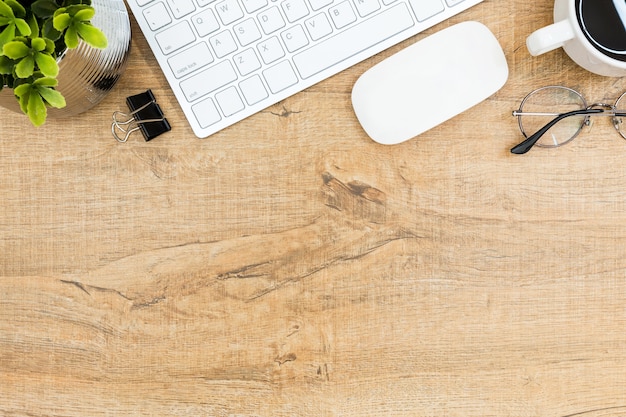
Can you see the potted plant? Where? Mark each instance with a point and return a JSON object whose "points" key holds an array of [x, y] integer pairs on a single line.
{"points": [[33, 37]]}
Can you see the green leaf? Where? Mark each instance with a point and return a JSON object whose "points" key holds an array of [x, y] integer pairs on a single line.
{"points": [[16, 7], [35, 98], [26, 67], [7, 35], [75, 8], [22, 27], [44, 8], [38, 44], [47, 64], [15, 49], [36, 109], [77, 2], [22, 92], [52, 97], [6, 65], [62, 21], [50, 48], [46, 82], [85, 14], [92, 35], [22, 89], [71, 37], [49, 32], [23, 99], [5, 10], [33, 24]]}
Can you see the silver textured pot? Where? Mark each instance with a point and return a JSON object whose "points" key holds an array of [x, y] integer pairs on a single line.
{"points": [[86, 74]]}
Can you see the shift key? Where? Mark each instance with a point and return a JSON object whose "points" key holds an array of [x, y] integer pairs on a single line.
{"points": [[209, 80]]}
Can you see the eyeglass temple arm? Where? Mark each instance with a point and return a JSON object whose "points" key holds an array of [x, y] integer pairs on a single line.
{"points": [[526, 145]]}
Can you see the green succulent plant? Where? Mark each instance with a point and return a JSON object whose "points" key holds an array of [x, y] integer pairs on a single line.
{"points": [[32, 36]]}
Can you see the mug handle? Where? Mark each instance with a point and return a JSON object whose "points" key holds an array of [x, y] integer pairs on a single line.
{"points": [[549, 38]]}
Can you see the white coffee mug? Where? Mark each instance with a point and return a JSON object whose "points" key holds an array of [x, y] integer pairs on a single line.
{"points": [[592, 33]]}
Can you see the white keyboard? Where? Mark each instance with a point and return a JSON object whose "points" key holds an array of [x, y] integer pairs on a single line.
{"points": [[228, 59]]}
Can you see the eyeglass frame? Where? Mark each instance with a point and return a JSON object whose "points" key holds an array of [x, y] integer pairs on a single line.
{"points": [[588, 110]]}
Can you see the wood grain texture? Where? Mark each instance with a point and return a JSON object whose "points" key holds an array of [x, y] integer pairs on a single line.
{"points": [[289, 266]]}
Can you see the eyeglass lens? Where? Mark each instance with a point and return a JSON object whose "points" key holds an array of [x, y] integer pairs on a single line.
{"points": [[543, 105]]}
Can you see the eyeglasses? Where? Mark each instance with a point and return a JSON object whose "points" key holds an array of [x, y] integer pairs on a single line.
{"points": [[555, 115]]}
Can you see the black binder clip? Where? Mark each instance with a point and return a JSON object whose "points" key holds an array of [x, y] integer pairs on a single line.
{"points": [[145, 115]]}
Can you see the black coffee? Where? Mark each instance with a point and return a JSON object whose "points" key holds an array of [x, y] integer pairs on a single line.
{"points": [[604, 24]]}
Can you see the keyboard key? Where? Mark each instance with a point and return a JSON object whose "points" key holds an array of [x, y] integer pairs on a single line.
{"points": [[294, 9], [253, 90], [280, 76], [157, 16], [319, 4], [208, 80], [294, 38], [454, 2], [270, 50], [205, 22], [247, 32], [318, 26], [252, 6], [143, 2], [271, 20], [353, 40], [181, 8], [366, 7], [246, 62], [425, 9], [342, 14], [229, 101], [228, 11], [175, 37], [190, 60], [206, 113], [223, 44]]}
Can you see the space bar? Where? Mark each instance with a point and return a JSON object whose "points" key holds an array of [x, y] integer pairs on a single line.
{"points": [[353, 40]]}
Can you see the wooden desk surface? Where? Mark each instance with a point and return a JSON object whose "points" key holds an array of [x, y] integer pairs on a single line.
{"points": [[290, 266]]}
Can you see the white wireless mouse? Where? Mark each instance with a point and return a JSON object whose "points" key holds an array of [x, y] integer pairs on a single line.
{"points": [[429, 82]]}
